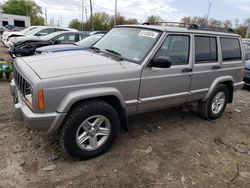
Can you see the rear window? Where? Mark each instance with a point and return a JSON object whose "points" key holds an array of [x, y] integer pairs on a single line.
{"points": [[205, 49], [231, 50]]}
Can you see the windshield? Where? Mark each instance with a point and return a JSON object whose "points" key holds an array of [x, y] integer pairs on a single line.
{"points": [[132, 44], [29, 29], [89, 41], [34, 31]]}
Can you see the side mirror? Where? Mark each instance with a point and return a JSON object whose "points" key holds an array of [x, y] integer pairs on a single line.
{"points": [[161, 62]]}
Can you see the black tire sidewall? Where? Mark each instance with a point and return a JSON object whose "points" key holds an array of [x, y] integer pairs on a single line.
{"points": [[77, 117], [220, 88]]}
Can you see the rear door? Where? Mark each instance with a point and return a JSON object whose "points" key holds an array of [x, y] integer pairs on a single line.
{"points": [[206, 66], [165, 87]]}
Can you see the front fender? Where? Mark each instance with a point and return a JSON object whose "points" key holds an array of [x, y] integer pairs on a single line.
{"points": [[70, 99]]}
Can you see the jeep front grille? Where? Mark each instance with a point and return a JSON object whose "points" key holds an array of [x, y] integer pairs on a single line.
{"points": [[21, 83]]}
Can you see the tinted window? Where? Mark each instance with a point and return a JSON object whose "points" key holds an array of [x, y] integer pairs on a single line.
{"points": [[177, 48], [205, 49], [45, 32], [230, 49], [83, 36], [66, 38], [247, 49]]}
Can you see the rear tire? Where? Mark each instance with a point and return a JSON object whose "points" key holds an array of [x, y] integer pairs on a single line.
{"points": [[215, 105], [90, 129]]}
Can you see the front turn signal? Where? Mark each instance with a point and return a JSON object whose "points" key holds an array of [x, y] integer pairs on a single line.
{"points": [[40, 99]]}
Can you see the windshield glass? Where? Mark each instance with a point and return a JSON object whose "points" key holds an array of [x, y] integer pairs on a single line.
{"points": [[132, 43], [34, 31], [89, 41], [29, 29]]}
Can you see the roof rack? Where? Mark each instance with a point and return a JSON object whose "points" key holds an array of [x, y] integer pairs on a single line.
{"points": [[192, 26]]}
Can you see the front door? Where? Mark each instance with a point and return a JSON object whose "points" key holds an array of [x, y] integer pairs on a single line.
{"points": [[165, 87]]}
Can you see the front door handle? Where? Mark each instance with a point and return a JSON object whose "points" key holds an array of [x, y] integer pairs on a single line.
{"points": [[216, 67], [187, 70]]}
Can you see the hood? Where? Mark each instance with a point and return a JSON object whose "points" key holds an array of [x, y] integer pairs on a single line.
{"points": [[15, 33], [26, 38], [60, 47], [70, 63]]}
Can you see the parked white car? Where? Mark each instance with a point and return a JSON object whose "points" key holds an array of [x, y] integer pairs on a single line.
{"points": [[38, 32], [8, 34]]}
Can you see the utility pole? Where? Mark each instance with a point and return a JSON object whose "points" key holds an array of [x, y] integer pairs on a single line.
{"points": [[208, 12], [248, 31], [115, 12], [46, 17], [86, 14], [91, 16], [82, 16], [61, 21]]}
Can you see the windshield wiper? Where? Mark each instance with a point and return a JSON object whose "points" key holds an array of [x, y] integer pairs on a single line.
{"points": [[118, 55], [95, 49]]}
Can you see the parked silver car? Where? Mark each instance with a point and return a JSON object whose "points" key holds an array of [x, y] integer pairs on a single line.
{"points": [[85, 96]]}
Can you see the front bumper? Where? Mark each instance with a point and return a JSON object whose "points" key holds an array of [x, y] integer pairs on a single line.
{"points": [[47, 122]]}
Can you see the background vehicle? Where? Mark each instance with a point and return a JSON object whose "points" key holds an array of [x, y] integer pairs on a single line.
{"points": [[81, 45], [98, 32], [246, 77], [28, 46], [7, 35], [36, 33], [132, 69]]}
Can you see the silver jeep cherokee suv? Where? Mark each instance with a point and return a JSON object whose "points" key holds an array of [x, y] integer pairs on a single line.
{"points": [[85, 97]]}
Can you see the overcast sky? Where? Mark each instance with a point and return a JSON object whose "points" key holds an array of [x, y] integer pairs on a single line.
{"points": [[172, 10]]}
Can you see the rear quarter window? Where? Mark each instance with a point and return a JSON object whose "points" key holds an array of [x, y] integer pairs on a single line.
{"points": [[231, 50]]}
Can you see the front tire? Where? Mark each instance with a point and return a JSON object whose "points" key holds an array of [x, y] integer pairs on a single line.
{"points": [[90, 129], [215, 105]]}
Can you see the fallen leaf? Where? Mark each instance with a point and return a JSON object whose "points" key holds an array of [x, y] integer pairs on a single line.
{"points": [[49, 168], [237, 110], [245, 174], [183, 179]]}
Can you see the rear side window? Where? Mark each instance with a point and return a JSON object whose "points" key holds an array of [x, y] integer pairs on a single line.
{"points": [[230, 49], [205, 49]]}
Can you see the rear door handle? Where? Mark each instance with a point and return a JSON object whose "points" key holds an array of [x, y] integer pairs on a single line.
{"points": [[187, 70], [216, 67]]}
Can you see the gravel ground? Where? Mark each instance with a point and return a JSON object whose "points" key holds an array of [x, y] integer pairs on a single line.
{"points": [[169, 148]]}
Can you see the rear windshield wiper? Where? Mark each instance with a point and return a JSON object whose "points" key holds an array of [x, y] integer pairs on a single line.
{"points": [[95, 49], [118, 55]]}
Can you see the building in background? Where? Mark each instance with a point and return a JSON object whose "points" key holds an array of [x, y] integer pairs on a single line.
{"points": [[16, 20]]}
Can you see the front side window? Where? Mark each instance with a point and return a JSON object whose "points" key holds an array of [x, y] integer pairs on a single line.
{"points": [[176, 47], [205, 49], [231, 50], [133, 44]]}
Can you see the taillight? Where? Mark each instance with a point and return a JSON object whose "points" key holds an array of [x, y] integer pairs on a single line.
{"points": [[243, 73]]}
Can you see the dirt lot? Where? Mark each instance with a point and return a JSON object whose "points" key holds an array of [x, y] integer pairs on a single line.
{"points": [[170, 148]]}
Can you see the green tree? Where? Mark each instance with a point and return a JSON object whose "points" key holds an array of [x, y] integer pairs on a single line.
{"points": [[25, 8], [75, 24], [154, 19], [101, 21], [132, 21]]}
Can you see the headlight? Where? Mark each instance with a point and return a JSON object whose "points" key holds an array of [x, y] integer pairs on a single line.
{"points": [[28, 94]]}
